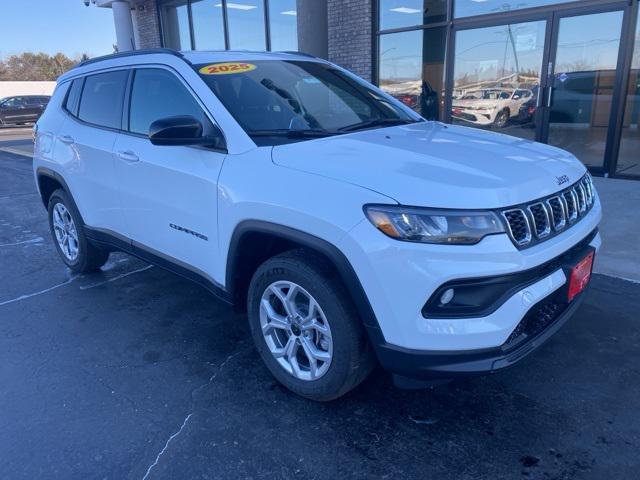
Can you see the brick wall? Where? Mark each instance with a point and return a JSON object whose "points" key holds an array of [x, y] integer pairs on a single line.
{"points": [[350, 35], [146, 24]]}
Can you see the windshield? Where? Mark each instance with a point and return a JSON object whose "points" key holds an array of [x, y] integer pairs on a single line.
{"points": [[295, 100]]}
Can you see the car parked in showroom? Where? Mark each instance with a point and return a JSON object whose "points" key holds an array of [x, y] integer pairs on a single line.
{"points": [[490, 106], [22, 109], [350, 230]]}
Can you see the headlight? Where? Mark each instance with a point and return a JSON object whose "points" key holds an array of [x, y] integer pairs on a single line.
{"points": [[426, 225]]}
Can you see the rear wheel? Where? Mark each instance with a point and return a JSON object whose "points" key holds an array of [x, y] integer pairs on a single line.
{"points": [[68, 234], [304, 327]]}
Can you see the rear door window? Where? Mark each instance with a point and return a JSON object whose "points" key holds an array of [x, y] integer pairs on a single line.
{"points": [[102, 98]]}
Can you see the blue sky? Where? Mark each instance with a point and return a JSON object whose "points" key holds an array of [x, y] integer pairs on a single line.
{"points": [[52, 26]]}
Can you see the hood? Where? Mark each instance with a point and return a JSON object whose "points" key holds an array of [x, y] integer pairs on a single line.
{"points": [[436, 165]]}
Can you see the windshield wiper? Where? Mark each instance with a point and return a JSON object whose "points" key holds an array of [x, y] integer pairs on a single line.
{"points": [[378, 122], [306, 133]]}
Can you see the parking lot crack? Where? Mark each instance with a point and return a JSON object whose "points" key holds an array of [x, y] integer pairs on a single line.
{"points": [[186, 420], [40, 292], [166, 445], [118, 277], [217, 372]]}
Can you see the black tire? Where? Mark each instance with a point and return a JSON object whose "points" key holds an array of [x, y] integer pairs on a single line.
{"points": [[352, 359], [501, 119], [90, 258]]}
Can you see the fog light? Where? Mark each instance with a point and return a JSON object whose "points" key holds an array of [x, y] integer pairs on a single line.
{"points": [[447, 296]]}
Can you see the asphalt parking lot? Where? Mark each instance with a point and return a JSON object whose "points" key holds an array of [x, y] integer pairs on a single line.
{"points": [[134, 373]]}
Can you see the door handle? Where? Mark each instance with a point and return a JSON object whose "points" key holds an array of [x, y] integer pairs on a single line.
{"points": [[67, 139], [128, 156]]}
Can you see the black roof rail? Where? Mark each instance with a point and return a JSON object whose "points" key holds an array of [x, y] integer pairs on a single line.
{"points": [[131, 53], [293, 52]]}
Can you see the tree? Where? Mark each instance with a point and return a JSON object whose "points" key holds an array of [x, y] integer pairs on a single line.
{"points": [[30, 66]]}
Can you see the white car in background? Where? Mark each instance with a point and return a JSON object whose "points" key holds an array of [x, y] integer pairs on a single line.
{"points": [[491, 106]]}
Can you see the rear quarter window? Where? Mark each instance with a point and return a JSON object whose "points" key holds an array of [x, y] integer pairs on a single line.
{"points": [[102, 98], [73, 97]]}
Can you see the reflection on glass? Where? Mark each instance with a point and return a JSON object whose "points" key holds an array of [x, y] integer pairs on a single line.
{"points": [[467, 8], [629, 156], [497, 77], [407, 13], [208, 29], [583, 83], [175, 24], [246, 24], [283, 25], [412, 69]]}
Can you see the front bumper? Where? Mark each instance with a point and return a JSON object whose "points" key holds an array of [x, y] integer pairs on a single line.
{"points": [[399, 277], [477, 117], [539, 324]]}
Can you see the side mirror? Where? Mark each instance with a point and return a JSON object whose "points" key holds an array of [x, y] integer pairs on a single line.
{"points": [[516, 97], [184, 130]]}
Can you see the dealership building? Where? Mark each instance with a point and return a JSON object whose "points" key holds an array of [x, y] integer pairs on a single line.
{"points": [[562, 72]]}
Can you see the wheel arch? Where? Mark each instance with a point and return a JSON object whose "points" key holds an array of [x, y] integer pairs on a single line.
{"points": [[273, 239], [48, 182]]}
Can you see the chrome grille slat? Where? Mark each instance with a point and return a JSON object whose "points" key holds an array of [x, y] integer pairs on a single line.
{"points": [[558, 212], [589, 189], [582, 204], [519, 228], [540, 219], [571, 204], [534, 222]]}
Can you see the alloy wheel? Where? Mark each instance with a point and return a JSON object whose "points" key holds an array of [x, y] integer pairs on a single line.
{"points": [[296, 330], [65, 232]]}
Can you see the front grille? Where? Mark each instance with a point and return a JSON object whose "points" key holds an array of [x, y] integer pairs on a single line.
{"points": [[531, 223]]}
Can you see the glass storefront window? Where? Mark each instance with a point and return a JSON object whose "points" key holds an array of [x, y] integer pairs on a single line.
{"points": [[208, 28], [408, 13], [497, 77], [628, 157], [584, 80], [283, 25], [175, 24], [467, 8], [412, 69], [246, 24]]}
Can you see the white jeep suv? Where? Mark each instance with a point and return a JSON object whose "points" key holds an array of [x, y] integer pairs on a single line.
{"points": [[352, 230], [492, 106]]}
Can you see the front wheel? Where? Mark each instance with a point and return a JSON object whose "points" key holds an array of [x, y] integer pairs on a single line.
{"points": [[501, 119], [304, 327]]}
